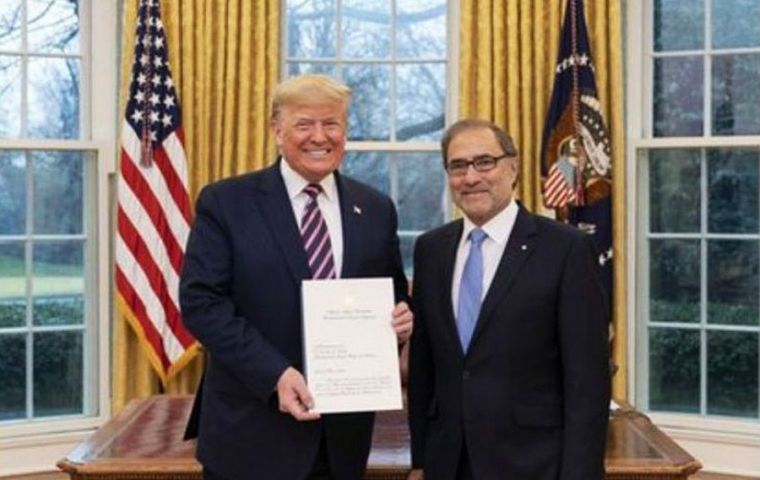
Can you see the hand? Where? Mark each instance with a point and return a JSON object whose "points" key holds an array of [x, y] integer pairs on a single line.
{"points": [[416, 474], [294, 396], [402, 322]]}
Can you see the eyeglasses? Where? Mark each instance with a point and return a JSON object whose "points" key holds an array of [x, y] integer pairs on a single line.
{"points": [[482, 163]]}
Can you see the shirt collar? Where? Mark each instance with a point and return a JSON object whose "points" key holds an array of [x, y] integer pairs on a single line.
{"points": [[295, 183], [498, 228]]}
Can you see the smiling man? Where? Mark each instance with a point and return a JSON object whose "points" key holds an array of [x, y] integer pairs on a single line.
{"points": [[508, 373], [255, 238]]}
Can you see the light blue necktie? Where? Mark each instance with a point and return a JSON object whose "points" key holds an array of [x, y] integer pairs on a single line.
{"points": [[470, 289]]}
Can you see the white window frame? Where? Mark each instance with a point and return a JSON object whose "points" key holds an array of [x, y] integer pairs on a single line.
{"points": [[450, 107], [721, 443], [27, 446]]}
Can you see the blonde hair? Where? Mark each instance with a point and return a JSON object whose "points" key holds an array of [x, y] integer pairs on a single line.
{"points": [[309, 89]]}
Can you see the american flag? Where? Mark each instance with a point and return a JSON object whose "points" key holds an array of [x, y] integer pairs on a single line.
{"points": [[153, 202], [575, 151], [560, 185]]}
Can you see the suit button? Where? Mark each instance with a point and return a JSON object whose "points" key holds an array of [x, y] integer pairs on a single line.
{"points": [[465, 375]]}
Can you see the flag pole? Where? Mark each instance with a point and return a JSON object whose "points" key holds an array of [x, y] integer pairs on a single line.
{"points": [[575, 99]]}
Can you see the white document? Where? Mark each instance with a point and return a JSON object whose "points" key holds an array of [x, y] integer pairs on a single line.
{"points": [[350, 349]]}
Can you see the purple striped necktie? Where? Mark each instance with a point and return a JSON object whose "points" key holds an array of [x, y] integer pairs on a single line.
{"points": [[316, 238]]}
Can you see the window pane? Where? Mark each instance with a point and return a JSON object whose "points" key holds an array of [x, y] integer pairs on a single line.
{"points": [[10, 24], [13, 373], [58, 373], [674, 370], [421, 101], [12, 310], [300, 68], [58, 283], [678, 85], [366, 28], [736, 98], [370, 168], [732, 374], [732, 282], [732, 179], [407, 241], [420, 29], [12, 193], [10, 96], [311, 28], [58, 309], [674, 197], [674, 281], [735, 23], [58, 192], [12, 285], [369, 115], [679, 24], [421, 190], [53, 98], [53, 26]]}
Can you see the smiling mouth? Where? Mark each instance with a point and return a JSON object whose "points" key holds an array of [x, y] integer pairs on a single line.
{"points": [[318, 153]]}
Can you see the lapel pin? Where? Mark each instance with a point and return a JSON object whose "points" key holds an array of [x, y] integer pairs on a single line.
{"points": [[357, 210], [523, 247]]}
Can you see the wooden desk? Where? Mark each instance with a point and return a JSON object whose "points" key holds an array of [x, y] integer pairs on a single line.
{"points": [[145, 442]]}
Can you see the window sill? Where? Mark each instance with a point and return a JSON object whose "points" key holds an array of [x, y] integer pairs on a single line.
{"points": [[37, 453], [722, 445]]}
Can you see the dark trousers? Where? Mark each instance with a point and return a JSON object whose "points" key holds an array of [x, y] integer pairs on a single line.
{"points": [[209, 475], [464, 470], [319, 471], [321, 468]]}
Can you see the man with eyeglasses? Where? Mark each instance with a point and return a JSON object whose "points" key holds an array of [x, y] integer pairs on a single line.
{"points": [[508, 373]]}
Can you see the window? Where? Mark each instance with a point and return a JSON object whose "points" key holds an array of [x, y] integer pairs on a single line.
{"points": [[53, 214], [393, 55], [696, 145]]}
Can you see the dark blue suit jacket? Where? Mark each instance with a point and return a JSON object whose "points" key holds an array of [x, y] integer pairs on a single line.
{"points": [[530, 398], [240, 295]]}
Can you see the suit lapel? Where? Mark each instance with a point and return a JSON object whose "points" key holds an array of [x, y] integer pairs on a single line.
{"points": [[278, 213], [449, 244], [351, 212], [519, 247]]}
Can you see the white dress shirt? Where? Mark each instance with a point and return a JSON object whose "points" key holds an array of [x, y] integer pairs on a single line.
{"points": [[498, 230], [329, 205]]}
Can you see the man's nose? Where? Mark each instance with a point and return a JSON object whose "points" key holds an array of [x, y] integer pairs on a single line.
{"points": [[318, 134], [471, 175]]}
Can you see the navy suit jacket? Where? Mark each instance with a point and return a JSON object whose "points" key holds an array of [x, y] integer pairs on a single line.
{"points": [[530, 398], [240, 295]]}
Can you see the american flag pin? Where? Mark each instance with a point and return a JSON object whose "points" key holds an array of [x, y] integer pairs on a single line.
{"points": [[357, 210]]}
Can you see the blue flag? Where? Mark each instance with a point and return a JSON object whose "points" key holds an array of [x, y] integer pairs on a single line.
{"points": [[575, 148]]}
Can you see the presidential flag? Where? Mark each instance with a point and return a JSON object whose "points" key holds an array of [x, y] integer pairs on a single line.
{"points": [[575, 151], [153, 219]]}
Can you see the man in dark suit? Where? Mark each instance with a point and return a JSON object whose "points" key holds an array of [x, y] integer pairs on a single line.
{"points": [[508, 374], [255, 238]]}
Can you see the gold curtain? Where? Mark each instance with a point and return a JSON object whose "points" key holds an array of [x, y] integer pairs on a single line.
{"points": [[508, 50], [224, 57]]}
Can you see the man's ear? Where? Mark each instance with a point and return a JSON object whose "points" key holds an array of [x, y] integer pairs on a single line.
{"points": [[514, 165], [275, 127]]}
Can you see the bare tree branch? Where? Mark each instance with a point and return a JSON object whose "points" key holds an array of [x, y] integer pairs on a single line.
{"points": [[421, 128]]}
